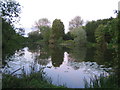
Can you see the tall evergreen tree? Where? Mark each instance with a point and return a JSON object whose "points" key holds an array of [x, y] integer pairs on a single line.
{"points": [[57, 31]]}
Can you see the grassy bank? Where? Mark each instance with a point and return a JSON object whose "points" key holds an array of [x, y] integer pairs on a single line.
{"points": [[34, 80]]}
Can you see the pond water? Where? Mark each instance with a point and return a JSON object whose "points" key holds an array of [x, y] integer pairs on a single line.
{"points": [[61, 66]]}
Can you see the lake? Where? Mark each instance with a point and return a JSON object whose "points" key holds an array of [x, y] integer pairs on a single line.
{"points": [[60, 65]]}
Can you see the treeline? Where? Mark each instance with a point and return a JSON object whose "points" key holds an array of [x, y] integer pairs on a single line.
{"points": [[102, 33], [12, 38], [54, 34], [47, 34]]}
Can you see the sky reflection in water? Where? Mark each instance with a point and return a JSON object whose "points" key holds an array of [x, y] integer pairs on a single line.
{"points": [[69, 72]]}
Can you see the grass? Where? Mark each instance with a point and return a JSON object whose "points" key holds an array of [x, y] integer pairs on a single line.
{"points": [[34, 80], [37, 80], [102, 82]]}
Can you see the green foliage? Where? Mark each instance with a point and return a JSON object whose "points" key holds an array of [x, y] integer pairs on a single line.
{"points": [[67, 43], [57, 55], [91, 27], [34, 80], [11, 40], [78, 53], [102, 82], [40, 36], [34, 36], [10, 9], [57, 33], [113, 30], [118, 25], [79, 36], [43, 32], [89, 44], [68, 36], [107, 34], [99, 34]]}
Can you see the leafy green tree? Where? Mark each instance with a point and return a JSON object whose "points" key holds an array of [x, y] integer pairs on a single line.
{"points": [[34, 36], [11, 40], [107, 34], [43, 25], [91, 27], [46, 35], [79, 35], [113, 30], [100, 36], [57, 33]]}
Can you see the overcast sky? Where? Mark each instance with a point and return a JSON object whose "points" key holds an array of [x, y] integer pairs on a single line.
{"points": [[65, 10]]}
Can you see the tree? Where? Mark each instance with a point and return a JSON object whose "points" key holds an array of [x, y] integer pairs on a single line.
{"points": [[79, 35], [91, 27], [44, 22], [21, 31], [57, 31], [10, 9], [112, 30], [100, 36], [76, 22], [68, 36], [46, 35], [43, 25], [118, 63], [11, 41], [118, 26], [90, 30], [34, 36]]}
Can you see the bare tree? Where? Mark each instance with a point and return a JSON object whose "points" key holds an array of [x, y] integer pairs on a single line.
{"points": [[75, 22], [44, 22]]}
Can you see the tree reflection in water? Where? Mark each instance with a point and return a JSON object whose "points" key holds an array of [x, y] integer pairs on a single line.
{"points": [[40, 53], [77, 54], [57, 55], [70, 65]]}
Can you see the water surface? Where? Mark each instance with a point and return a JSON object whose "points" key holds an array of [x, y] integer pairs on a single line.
{"points": [[60, 66]]}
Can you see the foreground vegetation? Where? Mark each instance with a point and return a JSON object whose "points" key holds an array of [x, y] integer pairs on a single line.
{"points": [[12, 37], [34, 80], [102, 82]]}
